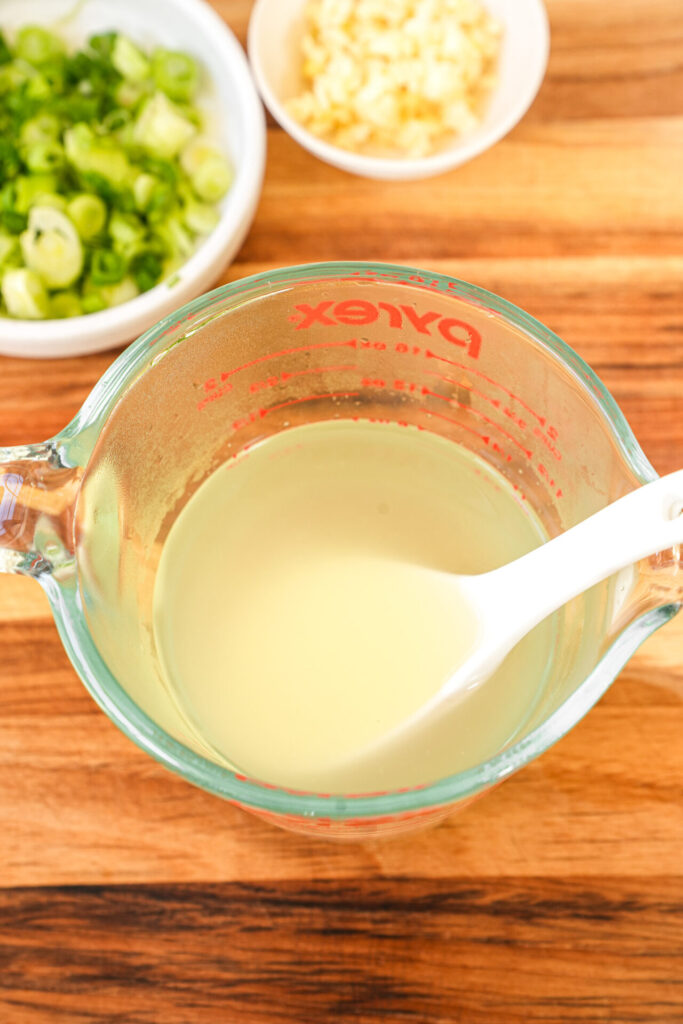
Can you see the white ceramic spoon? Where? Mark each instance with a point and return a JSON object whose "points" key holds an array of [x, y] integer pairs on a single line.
{"points": [[507, 603]]}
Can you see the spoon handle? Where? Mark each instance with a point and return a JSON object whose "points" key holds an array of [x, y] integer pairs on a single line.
{"points": [[645, 521]]}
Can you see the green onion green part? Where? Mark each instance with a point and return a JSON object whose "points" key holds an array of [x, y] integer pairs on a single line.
{"points": [[107, 181]]}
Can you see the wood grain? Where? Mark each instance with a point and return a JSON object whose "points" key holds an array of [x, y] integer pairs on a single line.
{"points": [[317, 952], [128, 897]]}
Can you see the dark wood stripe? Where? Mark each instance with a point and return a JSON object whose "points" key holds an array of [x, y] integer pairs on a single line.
{"points": [[468, 951]]}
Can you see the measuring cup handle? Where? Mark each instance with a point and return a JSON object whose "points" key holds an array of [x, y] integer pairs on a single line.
{"points": [[37, 493]]}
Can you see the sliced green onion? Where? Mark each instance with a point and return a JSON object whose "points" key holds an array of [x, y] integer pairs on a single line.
{"points": [[53, 72], [143, 190], [13, 221], [51, 247], [129, 94], [116, 120], [5, 52], [118, 198], [167, 170], [88, 153], [12, 77], [10, 254], [38, 88], [96, 202], [53, 199], [200, 217], [36, 45], [24, 294], [10, 162], [107, 267], [161, 129], [43, 157], [126, 231], [161, 202], [93, 303], [117, 294], [103, 44], [130, 62], [30, 190], [65, 304], [89, 215], [208, 170], [213, 179], [41, 128], [195, 154], [146, 269], [175, 237], [176, 74]]}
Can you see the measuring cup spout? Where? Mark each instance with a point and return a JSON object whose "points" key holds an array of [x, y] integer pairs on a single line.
{"points": [[37, 499]]}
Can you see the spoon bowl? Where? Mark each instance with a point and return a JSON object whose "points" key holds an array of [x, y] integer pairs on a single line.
{"points": [[503, 605]]}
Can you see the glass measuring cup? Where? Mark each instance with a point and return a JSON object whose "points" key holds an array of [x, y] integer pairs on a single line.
{"points": [[87, 512]]}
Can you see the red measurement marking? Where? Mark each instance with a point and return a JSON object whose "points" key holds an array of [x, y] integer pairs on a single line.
{"points": [[495, 402], [270, 785], [288, 352], [482, 437], [402, 348], [311, 398], [318, 369], [449, 419], [469, 369], [372, 276], [251, 417], [480, 415], [379, 383], [487, 440], [270, 382], [174, 326], [546, 474], [591, 383], [214, 396], [260, 385], [387, 819], [212, 383], [548, 443], [435, 394]]}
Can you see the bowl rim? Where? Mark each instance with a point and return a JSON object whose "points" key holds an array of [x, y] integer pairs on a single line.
{"points": [[399, 168], [97, 331], [265, 797]]}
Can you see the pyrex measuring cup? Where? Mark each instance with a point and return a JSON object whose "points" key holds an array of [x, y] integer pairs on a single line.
{"points": [[87, 512]]}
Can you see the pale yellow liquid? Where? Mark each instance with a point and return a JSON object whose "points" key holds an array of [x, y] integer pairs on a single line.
{"points": [[298, 615]]}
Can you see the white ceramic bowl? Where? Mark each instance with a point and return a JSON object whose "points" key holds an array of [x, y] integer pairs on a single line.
{"points": [[236, 117], [276, 26]]}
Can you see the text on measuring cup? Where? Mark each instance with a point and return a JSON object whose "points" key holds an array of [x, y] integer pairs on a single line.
{"points": [[359, 312]]}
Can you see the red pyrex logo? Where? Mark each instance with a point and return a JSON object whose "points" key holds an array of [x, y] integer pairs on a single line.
{"points": [[359, 312]]}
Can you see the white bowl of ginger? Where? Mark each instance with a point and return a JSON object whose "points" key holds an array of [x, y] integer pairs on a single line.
{"points": [[398, 89]]}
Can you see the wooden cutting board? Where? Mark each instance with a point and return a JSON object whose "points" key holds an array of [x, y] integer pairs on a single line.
{"points": [[127, 896]]}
